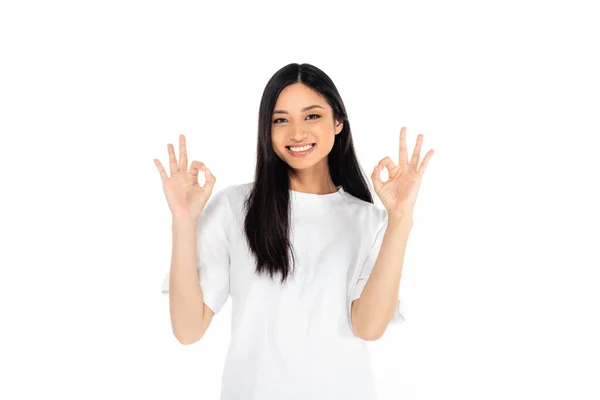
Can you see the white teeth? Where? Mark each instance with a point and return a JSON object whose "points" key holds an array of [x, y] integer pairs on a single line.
{"points": [[301, 148]]}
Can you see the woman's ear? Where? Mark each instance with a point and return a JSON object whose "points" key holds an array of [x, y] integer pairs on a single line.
{"points": [[339, 125]]}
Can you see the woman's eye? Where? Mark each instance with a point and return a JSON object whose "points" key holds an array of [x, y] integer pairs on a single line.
{"points": [[316, 115]]}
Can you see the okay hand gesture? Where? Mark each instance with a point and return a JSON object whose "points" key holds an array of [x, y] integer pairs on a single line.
{"points": [[399, 193], [185, 196]]}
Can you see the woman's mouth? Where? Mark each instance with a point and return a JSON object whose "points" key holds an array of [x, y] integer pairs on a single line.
{"points": [[301, 151]]}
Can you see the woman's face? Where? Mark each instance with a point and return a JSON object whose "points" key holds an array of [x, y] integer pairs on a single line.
{"points": [[302, 117]]}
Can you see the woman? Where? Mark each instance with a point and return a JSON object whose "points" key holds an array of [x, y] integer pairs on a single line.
{"points": [[308, 218]]}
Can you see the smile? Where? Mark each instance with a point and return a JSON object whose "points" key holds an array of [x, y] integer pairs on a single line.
{"points": [[303, 152]]}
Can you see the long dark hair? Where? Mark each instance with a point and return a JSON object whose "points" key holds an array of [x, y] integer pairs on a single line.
{"points": [[268, 212]]}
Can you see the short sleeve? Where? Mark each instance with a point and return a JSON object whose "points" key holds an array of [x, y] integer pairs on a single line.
{"points": [[360, 278], [212, 246]]}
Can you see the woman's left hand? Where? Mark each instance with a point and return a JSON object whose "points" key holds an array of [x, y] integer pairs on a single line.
{"points": [[399, 193]]}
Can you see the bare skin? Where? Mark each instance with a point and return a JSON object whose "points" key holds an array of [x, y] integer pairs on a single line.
{"points": [[184, 195], [293, 126], [190, 317]]}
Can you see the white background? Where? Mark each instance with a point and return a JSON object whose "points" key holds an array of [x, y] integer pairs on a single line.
{"points": [[500, 280]]}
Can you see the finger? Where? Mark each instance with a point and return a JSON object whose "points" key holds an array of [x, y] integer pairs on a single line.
{"points": [[376, 178], [387, 163], [194, 168], [424, 163], [183, 160], [403, 157], [414, 161], [161, 170], [172, 159], [210, 179]]}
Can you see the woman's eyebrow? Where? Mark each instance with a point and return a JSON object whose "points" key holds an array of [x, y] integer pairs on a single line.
{"points": [[304, 109]]}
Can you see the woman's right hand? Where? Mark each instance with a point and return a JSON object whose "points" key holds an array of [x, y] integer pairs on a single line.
{"points": [[185, 196]]}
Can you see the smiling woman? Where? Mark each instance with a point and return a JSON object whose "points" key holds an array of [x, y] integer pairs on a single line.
{"points": [[308, 218], [303, 136], [300, 106]]}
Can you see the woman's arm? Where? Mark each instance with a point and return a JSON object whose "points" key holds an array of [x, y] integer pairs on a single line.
{"points": [[373, 311], [186, 300]]}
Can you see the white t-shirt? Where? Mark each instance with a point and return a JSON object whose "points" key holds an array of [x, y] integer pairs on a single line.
{"points": [[293, 341]]}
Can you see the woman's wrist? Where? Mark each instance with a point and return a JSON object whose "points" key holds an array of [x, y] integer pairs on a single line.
{"points": [[184, 219]]}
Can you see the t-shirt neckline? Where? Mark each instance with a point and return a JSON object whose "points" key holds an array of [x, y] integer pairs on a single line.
{"points": [[313, 197]]}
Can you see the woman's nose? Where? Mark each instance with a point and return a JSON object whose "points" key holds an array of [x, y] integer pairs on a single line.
{"points": [[300, 135]]}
